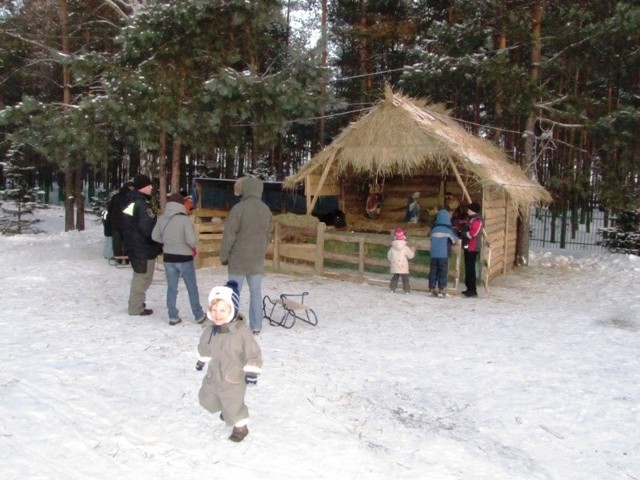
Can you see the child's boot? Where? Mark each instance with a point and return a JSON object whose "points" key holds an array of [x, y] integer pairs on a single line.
{"points": [[238, 433]]}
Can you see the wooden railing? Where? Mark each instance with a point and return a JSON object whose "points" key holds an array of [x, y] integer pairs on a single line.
{"points": [[303, 250]]}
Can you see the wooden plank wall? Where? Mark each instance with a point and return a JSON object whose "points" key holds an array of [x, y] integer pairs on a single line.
{"points": [[500, 218], [209, 226]]}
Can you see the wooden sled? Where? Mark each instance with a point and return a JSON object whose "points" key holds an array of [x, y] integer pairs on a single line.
{"points": [[284, 311]]}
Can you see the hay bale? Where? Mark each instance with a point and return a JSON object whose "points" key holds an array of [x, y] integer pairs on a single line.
{"points": [[295, 220]]}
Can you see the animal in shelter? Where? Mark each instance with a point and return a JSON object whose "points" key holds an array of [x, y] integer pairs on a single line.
{"points": [[335, 218]]}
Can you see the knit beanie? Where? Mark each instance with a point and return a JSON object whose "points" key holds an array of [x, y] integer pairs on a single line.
{"points": [[474, 207], [228, 293], [399, 235], [141, 181], [176, 197]]}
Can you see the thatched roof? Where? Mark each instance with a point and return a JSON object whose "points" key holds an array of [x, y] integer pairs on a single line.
{"points": [[401, 136]]}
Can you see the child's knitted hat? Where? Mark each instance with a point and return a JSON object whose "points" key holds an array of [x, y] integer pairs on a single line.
{"points": [[399, 235], [176, 197], [141, 181], [228, 293], [474, 207]]}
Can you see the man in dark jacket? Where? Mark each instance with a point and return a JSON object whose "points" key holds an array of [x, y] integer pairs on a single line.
{"points": [[247, 233], [115, 215], [138, 223]]}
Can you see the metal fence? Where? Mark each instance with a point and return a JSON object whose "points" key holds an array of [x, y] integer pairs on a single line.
{"points": [[566, 231]]}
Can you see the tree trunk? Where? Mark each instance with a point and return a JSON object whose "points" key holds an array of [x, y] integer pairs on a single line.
{"points": [[66, 100], [68, 199], [363, 52], [162, 169], [502, 46], [323, 84], [522, 244], [175, 166], [78, 195]]}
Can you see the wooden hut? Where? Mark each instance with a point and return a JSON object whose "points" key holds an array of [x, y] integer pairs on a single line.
{"points": [[404, 145]]}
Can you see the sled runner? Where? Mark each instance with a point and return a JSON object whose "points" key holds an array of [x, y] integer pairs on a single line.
{"points": [[284, 311], [120, 261]]}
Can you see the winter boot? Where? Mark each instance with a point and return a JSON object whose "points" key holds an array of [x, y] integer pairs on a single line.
{"points": [[238, 433]]}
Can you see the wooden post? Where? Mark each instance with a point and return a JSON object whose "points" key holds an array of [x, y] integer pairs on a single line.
{"points": [[277, 237], [506, 235], [485, 253], [361, 257], [319, 264], [458, 252], [487, 265]]}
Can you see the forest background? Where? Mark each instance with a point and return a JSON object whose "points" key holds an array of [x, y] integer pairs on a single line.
{"points": [[96, 91]]}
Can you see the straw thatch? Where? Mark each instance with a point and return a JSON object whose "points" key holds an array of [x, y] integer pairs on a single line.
{"points": [[403, 136]]}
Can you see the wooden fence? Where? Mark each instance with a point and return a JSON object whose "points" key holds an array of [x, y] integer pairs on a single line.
{"points": [[315, 250], [304, 250]]}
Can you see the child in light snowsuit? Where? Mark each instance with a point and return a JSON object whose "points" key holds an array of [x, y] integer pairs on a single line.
{"points": [[442, 237], [399, 255], [234, 357]]}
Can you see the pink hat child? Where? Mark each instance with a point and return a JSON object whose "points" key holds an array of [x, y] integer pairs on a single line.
{"points": [[399, 235]]}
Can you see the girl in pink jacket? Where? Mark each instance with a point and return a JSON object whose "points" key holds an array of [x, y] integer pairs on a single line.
{"points": [[399, 255]]}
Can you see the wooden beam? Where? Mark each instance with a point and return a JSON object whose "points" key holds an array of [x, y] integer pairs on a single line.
{"points": [[460, 182], [323, 178]]}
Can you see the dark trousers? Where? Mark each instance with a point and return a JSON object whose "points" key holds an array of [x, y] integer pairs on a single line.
{"points": [[470, 270], [438, 272], [118, 245], [405, 282]]}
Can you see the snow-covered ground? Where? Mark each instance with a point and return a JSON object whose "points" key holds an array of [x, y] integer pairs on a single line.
{"points": [[538, 379]]}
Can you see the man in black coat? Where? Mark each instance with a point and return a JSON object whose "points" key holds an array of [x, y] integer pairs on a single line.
{"points": [[138, 222], [115, 216]]}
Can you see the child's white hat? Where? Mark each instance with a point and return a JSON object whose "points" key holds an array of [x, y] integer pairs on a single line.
{"points": [[228, 293]]}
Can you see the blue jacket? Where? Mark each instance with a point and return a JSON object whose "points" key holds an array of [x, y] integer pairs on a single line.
{"points": [[441, 234]]}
